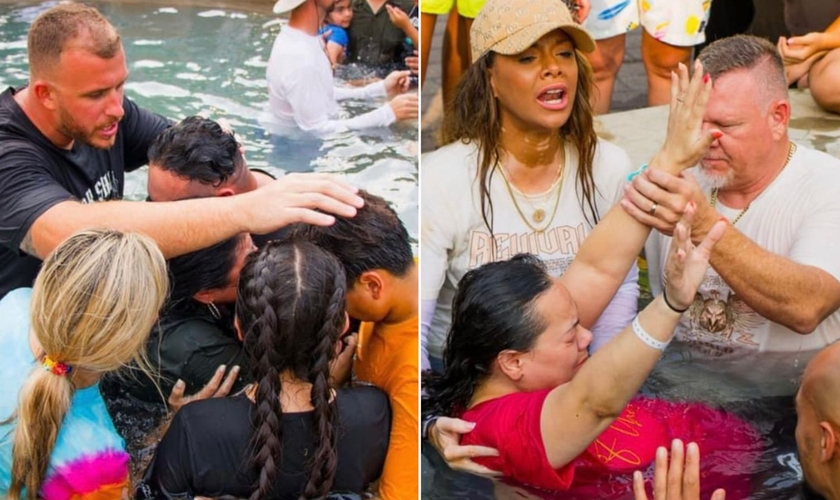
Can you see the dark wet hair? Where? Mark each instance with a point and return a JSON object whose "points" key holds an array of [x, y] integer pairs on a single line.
{"points": [[493, 311], [374, 239], [200, 270], [197, 149], [291, 310]]}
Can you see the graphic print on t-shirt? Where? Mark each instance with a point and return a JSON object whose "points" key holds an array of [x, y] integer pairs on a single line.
{"points": [[556, 246], [106, 188], [718, 319]]}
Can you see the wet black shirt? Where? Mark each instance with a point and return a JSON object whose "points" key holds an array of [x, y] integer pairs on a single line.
{"points": [[36, 175], [206, 449], [190, 346], [374, 41]]}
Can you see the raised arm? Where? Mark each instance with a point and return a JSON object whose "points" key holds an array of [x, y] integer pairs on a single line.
{"points": [[607, 254], [185, 226], [575, 413]]}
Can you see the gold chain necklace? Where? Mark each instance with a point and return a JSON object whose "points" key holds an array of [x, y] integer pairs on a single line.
{"points": [[713, 200], [539, 214]]}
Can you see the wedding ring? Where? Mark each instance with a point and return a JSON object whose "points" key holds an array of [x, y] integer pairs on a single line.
{"points": [[653, 208]]}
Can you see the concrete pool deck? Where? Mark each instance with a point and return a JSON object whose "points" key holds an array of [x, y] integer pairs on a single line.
{"points": [[641, 131]]}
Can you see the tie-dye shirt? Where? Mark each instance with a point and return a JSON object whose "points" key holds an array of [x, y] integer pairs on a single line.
{"points": [[89, 460]]}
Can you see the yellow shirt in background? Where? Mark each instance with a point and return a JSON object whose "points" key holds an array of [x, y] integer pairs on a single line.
{"points": [[387, 358]]}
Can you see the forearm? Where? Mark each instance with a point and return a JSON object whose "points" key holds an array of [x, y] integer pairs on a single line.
{"points": [[833, 27], [616, 372], [178, 227], [607, 254], [411, 32], [795, 295], [603, 261], [605, 383], [369, 91]]}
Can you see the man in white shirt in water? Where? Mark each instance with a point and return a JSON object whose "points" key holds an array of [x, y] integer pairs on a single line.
{"points": [[301, 91]]}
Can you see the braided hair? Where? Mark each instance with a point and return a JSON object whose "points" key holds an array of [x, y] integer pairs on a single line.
{"points": [[493, 311], [291, 308]]}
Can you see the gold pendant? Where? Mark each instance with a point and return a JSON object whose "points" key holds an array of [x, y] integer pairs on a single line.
{"points": [[538, 215]]}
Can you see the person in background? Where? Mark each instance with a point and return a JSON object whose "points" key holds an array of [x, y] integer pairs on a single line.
{"points": [[335, 28], [812, 58], [375, 40], [456, 49], [670, 29], [301, 90], [90, 312]]}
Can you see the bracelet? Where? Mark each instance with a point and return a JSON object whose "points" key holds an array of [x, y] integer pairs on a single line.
{"points": [[646, 337], [427, 424], [671, 306], [634, 174]]}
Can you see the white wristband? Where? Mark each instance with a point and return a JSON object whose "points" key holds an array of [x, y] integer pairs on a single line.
{"points": [[646, 337]]}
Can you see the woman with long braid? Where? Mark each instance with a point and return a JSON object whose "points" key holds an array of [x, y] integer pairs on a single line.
{"points": [[89, 312], [292, 435]]}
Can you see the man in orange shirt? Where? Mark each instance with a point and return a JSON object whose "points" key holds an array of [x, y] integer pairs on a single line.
{"points": [[382, 292]]}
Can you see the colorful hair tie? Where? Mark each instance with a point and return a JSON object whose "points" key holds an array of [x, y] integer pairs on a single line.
{"points": [[56, 367], [636, 173]]}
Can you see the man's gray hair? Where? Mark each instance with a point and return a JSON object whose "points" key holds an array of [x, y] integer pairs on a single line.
{"points": [[746, 52]]}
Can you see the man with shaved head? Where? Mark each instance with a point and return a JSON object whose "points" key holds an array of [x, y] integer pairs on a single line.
{"points": [[818, 423], [770, 298]]}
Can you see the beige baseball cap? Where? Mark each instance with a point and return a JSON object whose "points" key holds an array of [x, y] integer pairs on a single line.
{"points": [[511, 26], [286, 5]]}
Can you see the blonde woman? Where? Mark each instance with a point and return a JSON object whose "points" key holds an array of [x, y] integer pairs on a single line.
{"points": [[90, 312]]}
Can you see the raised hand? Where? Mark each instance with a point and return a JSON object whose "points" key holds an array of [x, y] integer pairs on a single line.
{"points": [[398, 18], [687, 264], [680, 480], [686, 142]]}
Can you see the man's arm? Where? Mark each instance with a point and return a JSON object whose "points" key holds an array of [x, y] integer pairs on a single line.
{"points": [[185, 226], [794, 294]]}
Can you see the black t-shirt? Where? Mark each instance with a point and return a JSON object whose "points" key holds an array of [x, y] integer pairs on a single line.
{"points": [[374, 41], [206, 449], [35, 175], [190, 347]]}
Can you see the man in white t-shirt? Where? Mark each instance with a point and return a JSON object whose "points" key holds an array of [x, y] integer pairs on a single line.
{"points": [[771, 298], [301, 91]]}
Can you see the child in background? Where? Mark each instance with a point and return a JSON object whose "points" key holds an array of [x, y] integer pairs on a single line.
{"points": [[337, 21]]}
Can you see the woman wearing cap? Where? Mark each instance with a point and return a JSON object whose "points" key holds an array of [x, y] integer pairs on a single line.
{"points": [[301, 91], [521, 169], [90, 312]]}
